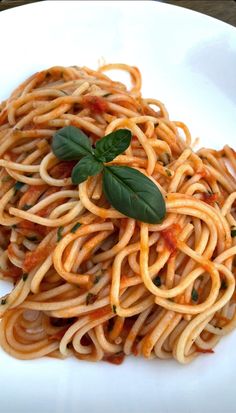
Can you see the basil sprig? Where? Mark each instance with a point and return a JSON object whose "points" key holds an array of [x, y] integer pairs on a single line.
{"points": [[128, 190]]}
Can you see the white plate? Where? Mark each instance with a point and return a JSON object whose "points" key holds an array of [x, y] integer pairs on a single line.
{"points": [[188, 61]]}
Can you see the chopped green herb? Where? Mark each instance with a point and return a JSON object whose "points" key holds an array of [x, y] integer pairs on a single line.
{"points": [[110, 324], [33, 238], [14, 226], [168, 172], [6, 178], [107, 94], [165, 158], [96, 279], [26, 207], [233, 232], [194, 295], [157, 281], [75, 227], [91, 298], [223, 285], [62, 91], [59, 233], [24, 276], [18, 185], [114, 309], [3, 301]]}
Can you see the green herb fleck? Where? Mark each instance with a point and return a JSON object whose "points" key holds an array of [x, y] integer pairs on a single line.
{"points": [[24, 276], [168, 172], [194, 295], [33, 238], [96, 279], [26, 207], [59, 233], [75, 227], [18, 185], [157, 281], [6, 178], [107, 94], [91, 298], [114, 309], [110, 324], [233, 232], [3, 301], [165, 158], [223, 285]]}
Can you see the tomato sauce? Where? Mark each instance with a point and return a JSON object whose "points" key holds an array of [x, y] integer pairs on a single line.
{"points": [[169, 235], [28, 228], [209, 198], [32, 194], [12, 271], [117, 358], [34, 258], [95, 103], [62, 170], [100, 312], [202, 350]]}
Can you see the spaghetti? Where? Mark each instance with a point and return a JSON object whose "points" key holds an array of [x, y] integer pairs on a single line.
{"points": [[89, 281]]}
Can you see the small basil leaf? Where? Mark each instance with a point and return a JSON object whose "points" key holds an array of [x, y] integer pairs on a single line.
{"points": [[133, 194], [87, 166], [70, 143], [112, 145]]}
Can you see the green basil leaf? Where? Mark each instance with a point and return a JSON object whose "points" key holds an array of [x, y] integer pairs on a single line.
{"points": [[133, 194], [75, 227], [112, 145], [194, 295], [70, 143], [233, 232], [87, 166]]}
